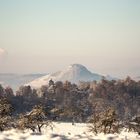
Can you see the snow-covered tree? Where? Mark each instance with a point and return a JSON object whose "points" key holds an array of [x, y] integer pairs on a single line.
{"points": [[34, 120]]}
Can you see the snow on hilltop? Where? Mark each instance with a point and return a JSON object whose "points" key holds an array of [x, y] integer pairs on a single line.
{"points": [[73, 73]]}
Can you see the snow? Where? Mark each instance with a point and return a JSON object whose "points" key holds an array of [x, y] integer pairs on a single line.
{"points": [[73, 73], [65, 131]]}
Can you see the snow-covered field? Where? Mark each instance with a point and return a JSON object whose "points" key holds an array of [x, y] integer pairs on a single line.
{"points": [[65, 131]]}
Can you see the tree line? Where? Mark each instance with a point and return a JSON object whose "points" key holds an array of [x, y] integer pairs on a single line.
{"points": [[65, 101]]}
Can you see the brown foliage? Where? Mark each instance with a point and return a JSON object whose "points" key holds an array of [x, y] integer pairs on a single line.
{"points": [[5, 114], [34, 120], [105, 122]]}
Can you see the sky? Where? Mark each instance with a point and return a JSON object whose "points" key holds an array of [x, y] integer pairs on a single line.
{"points": [[44, 36]]}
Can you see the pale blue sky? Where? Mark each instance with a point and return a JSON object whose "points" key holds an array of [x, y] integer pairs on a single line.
{"points": [[47, 35]]}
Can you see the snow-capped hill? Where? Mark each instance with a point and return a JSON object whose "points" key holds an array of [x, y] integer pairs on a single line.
{"points": [[73, 73]]}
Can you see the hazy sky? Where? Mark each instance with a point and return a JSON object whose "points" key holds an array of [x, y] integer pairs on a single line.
{"points": [[47, 35]]}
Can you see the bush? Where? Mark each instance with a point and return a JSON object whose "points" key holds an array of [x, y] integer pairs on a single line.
{"points": [[5, 114], [105, 122], [134, 125], [34, 120]]}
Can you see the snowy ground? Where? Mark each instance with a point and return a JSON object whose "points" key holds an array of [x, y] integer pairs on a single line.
{"points": [[65, 131]]}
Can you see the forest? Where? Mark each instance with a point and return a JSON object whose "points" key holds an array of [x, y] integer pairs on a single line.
{"points": [[105, 102]]}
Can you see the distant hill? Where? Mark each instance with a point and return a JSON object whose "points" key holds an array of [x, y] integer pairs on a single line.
{"points": [[73, 73], [136, 78], [16, 80]]}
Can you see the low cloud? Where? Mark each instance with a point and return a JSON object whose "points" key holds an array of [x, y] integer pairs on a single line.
{"points": [[3, 54]]}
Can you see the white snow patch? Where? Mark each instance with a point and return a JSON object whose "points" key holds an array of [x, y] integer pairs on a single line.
{"points": [[66, 131]]}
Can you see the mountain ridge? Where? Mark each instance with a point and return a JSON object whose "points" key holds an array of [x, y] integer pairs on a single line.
{"points": [[16, 80], [73, 73]]}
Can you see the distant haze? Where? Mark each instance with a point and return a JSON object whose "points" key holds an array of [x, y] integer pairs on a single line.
{"points": [[44, 36]]}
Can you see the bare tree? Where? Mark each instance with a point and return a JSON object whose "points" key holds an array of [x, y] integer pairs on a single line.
{"points": [[34, 120], [105, 122]]}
